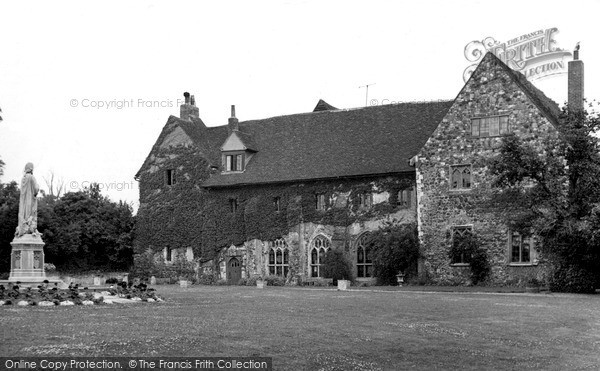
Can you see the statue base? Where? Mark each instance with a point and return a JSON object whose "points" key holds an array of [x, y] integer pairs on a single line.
{"points": [[27, 259]]}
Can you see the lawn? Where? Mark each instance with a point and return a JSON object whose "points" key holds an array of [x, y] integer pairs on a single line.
{"points": [[323, 329]]}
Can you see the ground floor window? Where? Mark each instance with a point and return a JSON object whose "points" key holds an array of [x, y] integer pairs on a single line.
{"points": [[364, 262], [460, 252], [319, 247], [520, 248], [279, 260]]}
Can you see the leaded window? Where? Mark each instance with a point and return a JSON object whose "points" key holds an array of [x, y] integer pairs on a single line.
{"points": [[461, 245], [279, 259], [234, 162], [365, 200], [490, 126], [364, 262], [404, 198], [460, 177], [320, 201], [521, 248], [319, 247]]}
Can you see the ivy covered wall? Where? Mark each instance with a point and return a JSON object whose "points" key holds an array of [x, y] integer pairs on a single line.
{"points": [[184, 214]]}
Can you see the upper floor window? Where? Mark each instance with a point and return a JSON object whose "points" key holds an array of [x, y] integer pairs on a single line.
{"points": [[404, 198], [320, 201], [279, 261], [233, 205], [234, 162], [461, 245], [460, 177], [520, 248], [365, 200], [168, 254], [490, 126], [170, 177], [320, 245], [277, 204]]}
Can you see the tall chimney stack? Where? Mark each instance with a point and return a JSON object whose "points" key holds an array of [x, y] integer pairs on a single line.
{"points": [[575, 94], [188, 109], [233, 124]]}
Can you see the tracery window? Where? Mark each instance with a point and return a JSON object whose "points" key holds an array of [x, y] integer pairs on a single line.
{"points": [[364, 262], [460, 177], [279, 259], [319, 247]]}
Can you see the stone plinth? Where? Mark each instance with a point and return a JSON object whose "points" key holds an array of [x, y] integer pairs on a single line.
{"points": [[27, 259]]}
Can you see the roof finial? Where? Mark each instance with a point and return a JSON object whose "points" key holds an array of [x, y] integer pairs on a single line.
{"points": [[192, 100], [576, 52]]}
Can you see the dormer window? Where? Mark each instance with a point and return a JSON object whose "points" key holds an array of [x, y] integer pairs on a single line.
{"points": [[234, 162]]}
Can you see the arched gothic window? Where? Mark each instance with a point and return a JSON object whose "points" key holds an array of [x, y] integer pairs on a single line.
{"points": [[279, 259], [319, 247], [364, 262]]}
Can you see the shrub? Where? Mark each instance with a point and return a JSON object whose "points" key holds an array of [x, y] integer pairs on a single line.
{"points": [[251, 281], [394, 248], [336, 266], [207, 279], [572, 278], [274, 281], [477, 258]]}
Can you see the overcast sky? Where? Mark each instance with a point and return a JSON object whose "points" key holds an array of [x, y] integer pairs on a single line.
{"points": [[269, 58]]}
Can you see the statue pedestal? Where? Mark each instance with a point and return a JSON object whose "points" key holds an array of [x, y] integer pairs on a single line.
{"points": [[27, 259]]}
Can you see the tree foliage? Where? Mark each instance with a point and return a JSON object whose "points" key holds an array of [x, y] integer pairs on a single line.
{"points": [[555, 193], [82, 230], [336, 266], [394, 248]]}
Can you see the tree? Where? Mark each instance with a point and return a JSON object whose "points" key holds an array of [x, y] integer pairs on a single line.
{"points": [[9, 211], [85, 230], [336, 266], [394, 248], [555, 193], [56, 186]]}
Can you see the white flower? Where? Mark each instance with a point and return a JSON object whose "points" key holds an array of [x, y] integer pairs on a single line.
{"points": [[108, 301], [67, 302], [23, 303], [150, 300], [136, 299], [87, 302], [46, 303], [159, 299], [2, 302]]}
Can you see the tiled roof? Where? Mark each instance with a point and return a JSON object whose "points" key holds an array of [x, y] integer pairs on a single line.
{"points": [[331, 144]]}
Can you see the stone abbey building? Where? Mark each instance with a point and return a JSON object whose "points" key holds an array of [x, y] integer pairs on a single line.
{"points": [[271, 196]]}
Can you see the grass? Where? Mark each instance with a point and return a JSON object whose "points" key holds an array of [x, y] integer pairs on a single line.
{"points": [[323, 329]]}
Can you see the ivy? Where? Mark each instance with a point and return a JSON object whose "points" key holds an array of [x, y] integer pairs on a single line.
{"points": [[185, 214]]}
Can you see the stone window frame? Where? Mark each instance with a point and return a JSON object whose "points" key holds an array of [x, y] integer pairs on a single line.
{"points": [[320, 202], [277, 203], [168, 254], [365, 264], [233, 205], [365, 200], [404, 199], [170, 177], [278, 249], [450, 177], [532, 250], [479, 119], [453, 228], [318, 248]]}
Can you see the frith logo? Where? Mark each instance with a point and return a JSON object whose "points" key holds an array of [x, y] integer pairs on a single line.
{"points": [[534, 54]]}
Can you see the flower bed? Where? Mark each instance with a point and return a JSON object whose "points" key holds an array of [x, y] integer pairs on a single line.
{"points": [[44, 295]]}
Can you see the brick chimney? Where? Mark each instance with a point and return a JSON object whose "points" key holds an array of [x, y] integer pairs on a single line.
{"points": [[575, 99], [233, 124], [188, 109]]}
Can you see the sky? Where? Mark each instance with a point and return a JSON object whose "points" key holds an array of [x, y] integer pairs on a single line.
{"points": [[86, 87]]}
